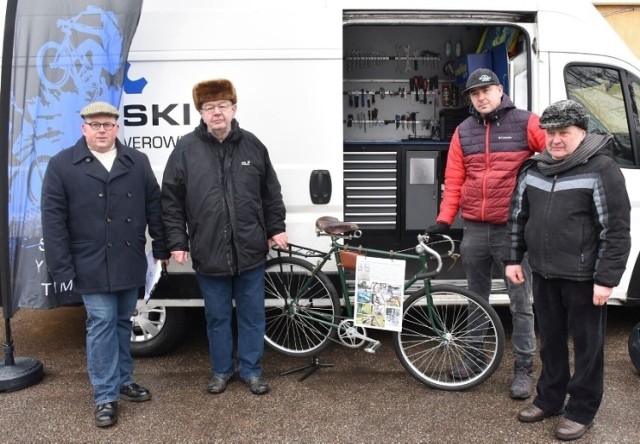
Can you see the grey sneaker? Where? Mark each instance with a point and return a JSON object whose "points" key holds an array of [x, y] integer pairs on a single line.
{"points": [[522, 386]]}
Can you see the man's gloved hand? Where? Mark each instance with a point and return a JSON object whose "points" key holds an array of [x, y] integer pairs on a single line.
{"points": [[438, 228]]}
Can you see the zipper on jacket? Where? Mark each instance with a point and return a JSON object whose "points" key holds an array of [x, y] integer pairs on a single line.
{"points": [[487, 150], [543, 229], [582, 245], [225, 166]]}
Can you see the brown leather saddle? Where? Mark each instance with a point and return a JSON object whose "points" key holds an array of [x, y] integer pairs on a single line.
{"points": [[332, 225]]}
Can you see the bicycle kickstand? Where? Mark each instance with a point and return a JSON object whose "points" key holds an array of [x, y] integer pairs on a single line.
{"points": [[311, 368]]}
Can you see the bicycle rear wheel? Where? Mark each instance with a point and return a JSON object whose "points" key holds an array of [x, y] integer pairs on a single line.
{"points": [[453, 344], [301, 308]]}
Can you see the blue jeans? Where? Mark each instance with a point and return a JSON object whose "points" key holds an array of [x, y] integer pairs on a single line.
{"points": [[481, 249], [109, 359], [248, 291]]}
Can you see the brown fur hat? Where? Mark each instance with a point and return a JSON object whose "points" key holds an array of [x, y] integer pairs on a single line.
{"points": [[211, 90]]}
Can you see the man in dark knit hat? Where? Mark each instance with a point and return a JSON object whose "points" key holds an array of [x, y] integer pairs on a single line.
{"points": [[571, 213], [223, 208]]}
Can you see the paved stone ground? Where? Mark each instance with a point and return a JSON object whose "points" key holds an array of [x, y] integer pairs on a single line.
{"points": [[364, 398]]}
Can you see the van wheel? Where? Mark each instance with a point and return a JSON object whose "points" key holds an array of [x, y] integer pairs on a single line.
{"points": [[156, 330]]}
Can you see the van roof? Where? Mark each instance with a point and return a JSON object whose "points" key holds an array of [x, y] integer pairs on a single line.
{"points": [[560, 27]]}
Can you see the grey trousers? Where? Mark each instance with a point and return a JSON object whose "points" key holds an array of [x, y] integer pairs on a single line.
{"points": [[481, 249]]}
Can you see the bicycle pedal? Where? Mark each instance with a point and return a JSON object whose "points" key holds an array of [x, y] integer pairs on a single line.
{"points": [[373, 347]]}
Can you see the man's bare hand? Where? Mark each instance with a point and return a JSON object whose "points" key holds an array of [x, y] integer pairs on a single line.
{"points": [[180, 257], [280, 239], [514, 273]]}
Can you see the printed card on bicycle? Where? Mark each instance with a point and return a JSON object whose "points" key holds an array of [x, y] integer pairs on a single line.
{"points": [[379, 293]]}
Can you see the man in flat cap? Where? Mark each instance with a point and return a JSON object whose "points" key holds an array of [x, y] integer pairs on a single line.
{"points": [[570, 211], [98, 198], [222, 206]]}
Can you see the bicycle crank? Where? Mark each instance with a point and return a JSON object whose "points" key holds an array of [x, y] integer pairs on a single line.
{"points": [[353, 336]]}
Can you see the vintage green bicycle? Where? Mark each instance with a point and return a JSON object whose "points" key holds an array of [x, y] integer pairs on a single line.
{"points": [[445, 328]]}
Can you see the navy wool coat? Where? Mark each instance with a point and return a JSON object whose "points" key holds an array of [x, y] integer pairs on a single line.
{"points": [[94, 222]]}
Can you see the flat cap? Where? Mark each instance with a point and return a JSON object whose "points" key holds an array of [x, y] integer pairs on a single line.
{"points": [[96, 108]]}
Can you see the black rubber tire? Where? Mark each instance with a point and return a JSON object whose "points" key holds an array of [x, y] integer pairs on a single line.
{"points": [[290, 325], [634, 346], [429, 352]]}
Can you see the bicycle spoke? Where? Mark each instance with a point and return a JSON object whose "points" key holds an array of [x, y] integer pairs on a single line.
{"points": [[452, 344], [301, 307]]}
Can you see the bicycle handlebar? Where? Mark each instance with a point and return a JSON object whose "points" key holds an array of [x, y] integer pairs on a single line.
{"points": [[422, 248]]}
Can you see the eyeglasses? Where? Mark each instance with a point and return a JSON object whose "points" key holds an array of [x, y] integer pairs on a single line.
{"points": [[224, 107], [108, 126]]}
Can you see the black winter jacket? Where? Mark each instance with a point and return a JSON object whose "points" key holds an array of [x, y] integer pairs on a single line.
{"points": [[574, 225], [221, 201]]}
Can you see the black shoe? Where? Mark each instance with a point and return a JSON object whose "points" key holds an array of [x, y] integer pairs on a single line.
{"points": [[134, 392], [218, 384], [106, 414], [258, 385]]}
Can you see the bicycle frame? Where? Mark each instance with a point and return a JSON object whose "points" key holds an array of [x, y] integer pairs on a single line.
{"points": [[451, 338], [422, 255]]}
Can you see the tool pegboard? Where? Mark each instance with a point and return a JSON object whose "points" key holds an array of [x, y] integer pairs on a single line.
{"points": [[398, 80]]}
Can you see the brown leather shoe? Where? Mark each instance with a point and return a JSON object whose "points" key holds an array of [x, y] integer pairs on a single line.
{"points": [[568, 430], [533, 413]]}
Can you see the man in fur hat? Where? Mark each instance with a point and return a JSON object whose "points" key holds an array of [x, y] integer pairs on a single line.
{"points": [[222, 205]]}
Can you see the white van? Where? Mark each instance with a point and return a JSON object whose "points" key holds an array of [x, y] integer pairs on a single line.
{"points": [[349, 95]]}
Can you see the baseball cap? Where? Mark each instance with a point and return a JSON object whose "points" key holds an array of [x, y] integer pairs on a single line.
{"points": [[481, 77]]}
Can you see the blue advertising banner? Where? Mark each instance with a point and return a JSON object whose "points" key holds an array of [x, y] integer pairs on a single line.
{"points": [[66, 54]]}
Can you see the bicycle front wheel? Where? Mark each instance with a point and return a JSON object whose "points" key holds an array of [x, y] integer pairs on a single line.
{"points": [[301, 307], [454, 342]]}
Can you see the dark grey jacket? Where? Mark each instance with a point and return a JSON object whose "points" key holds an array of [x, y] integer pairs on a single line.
{"points": [[574, 225], [94, 222], [221, 201]]}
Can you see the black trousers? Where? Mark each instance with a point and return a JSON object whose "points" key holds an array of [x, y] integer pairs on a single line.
{"points": [[565, 309]]}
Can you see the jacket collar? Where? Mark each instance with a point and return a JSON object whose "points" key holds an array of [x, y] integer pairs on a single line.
{"points": [[124, 161], [234, 135], [505, 105]]}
